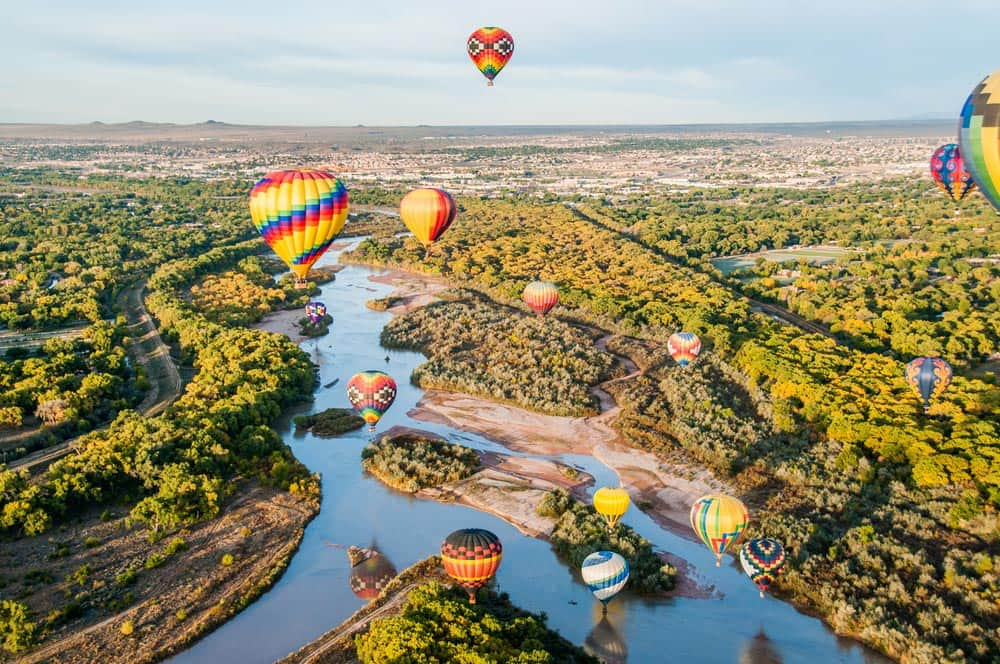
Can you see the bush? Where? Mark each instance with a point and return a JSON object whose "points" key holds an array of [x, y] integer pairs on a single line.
{"points": [[181, 615], [128, 577], [16, 628], [127, 628], [410, 462], [227, 559], [91, 542], [330, 422], [175, 545]]}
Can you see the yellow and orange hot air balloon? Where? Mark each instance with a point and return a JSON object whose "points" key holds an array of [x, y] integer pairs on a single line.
{"points": [[541, 296], [471, 556], [427, 213], [719, 520], [298, 213], [611, 504]]}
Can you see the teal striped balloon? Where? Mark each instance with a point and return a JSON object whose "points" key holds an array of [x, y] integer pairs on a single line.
{"points": [[605, 573]]}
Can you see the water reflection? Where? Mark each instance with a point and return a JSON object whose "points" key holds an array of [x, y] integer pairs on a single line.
{"points": [[371, 570], [605, 643], [760, 650]]}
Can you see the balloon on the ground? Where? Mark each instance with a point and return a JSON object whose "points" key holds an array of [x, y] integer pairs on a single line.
{"points": [[611, 503], [979, 137], [541, 296], [490, 49], [427, 213], [605, 573], [929, 377], [684, 347], [471, 556], [949, 172], [298, 213], [371, 393], [718, 520], [762, 559], [316, 311]]}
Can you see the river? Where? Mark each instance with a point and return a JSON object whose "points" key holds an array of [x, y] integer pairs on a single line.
{"points": [[314, 594]]}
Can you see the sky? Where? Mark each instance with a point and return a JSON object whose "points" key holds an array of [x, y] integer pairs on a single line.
{"points": [[404, 63]]}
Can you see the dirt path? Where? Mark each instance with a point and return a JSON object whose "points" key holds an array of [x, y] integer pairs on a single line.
{"points": [[147, 349]]}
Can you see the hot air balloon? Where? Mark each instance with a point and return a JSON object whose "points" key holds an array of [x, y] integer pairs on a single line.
{"points": [[606, 644], [490, 49], [298, 213], [605, 573], [427, 213], [371, 575], [316, 311], [763, 560], [979, 137], [611, 504], [718, 520], [541, 296], [371, 393], [684, 347], [949, 172], [928, 376], [471, 556]]}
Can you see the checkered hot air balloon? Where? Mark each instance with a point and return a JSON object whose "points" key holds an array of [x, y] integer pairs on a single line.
{"points": [[718, 520], [371, 575], [541, 296], [949, 173], [490, 49], [605, 573], [471, 556], [298, 213], [979, 137], [427, 213], [928, 376], [316, 311], [762, 560], [684, 347], [371, 393]]}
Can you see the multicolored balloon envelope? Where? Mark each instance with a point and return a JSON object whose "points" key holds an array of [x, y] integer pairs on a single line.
{"points": [[490, 49], [949, 173], [298, 213], [541, 296], [979, 137], [605, 573], [762, 559], [316, 311], [427, 213], [611, 504], [928, 376], [371, 393], [718, 520], [471, 557], [370, 576], [684, 347]]}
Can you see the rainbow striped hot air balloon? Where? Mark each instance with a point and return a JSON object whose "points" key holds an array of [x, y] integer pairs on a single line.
{"points": [[471, 556], [611, 504], [949, 173], [490, 49], [427, 213], [605, 573], [979, 137], [684, 347], [541, 296], [298, 213], [371, 393], [762, 560], [718, 520], [928, 376]]}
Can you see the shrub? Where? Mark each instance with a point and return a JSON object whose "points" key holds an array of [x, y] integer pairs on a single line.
{"points": [[127, 628], [227, 559], [410, 463]]}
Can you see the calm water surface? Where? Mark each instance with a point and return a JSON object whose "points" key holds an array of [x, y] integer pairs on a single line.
{"points": [[314, 593]]}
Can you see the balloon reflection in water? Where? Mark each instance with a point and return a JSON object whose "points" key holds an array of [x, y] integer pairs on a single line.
{"points": [[372, 571], [760, 650], [605, 643]]}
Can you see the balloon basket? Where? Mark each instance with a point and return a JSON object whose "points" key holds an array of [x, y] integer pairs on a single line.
{"points": [[489, 84], [762, 594], [300, 283]]}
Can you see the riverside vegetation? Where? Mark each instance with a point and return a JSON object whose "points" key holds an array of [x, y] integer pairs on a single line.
{"points": [[889, 514], [411, 462], [330, 422]]}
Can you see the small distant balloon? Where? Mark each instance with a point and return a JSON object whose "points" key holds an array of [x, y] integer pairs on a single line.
{"points": [[762, 560], [929, 377], [949, 172], [605, 573], [371, 393], [684, 347], [316, 311], [471, 556], [541, 296], [490, 49], [718, 520]]}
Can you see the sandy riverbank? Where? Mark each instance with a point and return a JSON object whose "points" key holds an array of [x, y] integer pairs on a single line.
{"points": [[412, 291]]}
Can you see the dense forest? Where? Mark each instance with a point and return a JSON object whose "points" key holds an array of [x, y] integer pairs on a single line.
{"points": [[890, 514]]}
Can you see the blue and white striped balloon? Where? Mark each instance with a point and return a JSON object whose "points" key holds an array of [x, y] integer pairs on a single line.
{"points": [[605, 573]]}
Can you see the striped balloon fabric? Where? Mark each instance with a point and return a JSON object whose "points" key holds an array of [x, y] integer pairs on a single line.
{"points": [[979, 137], [541, 296], [427, 213], [762, 560], [371, 393], [718, 520], [605, 573], [949, 173], [471, 556], [298, 213], [683, 347], [490, 49]]}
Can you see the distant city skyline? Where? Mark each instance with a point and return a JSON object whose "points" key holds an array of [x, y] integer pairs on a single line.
{"points": [[383, 63]]}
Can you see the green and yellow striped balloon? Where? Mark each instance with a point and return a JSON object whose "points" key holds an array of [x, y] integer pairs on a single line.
{"points": [[979, 137]]}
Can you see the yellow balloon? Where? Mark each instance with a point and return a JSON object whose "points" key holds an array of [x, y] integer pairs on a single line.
{"points": [[611, 504], [719, 520], [427, 213]]}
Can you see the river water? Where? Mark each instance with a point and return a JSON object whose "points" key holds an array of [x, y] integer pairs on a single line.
{"points": [[314, 594]]}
